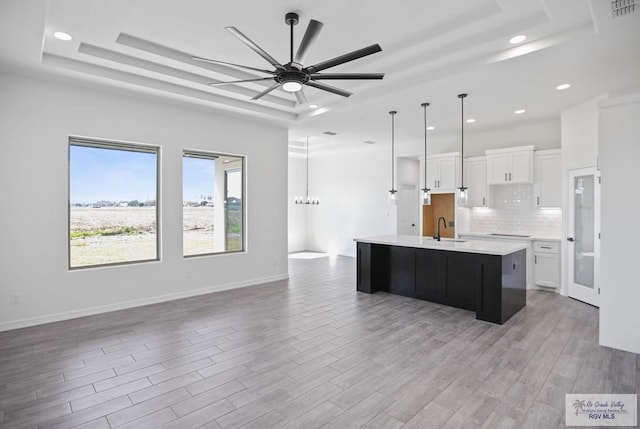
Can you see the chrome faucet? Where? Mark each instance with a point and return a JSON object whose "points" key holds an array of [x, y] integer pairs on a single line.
{"points": [[444, 221]]}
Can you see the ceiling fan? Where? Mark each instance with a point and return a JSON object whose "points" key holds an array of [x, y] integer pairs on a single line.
{"points": [[293, 75]]}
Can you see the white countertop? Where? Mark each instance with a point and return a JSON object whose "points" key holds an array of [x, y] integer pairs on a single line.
{"points": [[485, 247], [513, 237]]}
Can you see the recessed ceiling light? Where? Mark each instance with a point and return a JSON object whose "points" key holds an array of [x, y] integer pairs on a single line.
{"points": [[313, 106], [431, 128], [470, 121], [519, 111], [563, 86], [517, 39], [62, 36], [369, 142]]}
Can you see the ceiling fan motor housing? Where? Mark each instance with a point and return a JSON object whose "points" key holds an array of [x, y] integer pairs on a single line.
{"points": [[291, 75]]}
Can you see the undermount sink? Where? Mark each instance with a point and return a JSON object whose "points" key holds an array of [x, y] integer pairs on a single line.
{"points": [[454, 240]]}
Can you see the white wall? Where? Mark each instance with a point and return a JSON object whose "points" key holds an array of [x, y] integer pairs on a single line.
{"points": [[36, 119], [408, 171], [297, 213], [352, 185], [619, 155], [579, 131]]}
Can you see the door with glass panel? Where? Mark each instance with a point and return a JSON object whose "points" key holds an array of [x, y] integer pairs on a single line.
{"points": [[583, 238]]}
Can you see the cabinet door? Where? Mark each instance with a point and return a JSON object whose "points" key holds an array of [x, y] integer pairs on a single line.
{"points": [[447, 170], [498, 168], [546, 269], [521, 167], [402, 275], [431, 275], [432, 174], [548, 178], [476, 180], [464, 272]]}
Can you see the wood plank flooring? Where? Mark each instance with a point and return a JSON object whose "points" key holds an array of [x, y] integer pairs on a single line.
{"points": [[310, 352]]}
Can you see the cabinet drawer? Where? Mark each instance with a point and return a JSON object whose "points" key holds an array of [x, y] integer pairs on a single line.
{"points": [[546, 247]]}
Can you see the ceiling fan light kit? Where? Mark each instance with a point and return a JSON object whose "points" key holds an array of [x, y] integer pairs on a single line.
{"points": [[293, 76]]}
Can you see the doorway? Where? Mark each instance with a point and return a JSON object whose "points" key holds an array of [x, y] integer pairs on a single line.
{"points": [[408, 209], [583, 235], [441, 205]]}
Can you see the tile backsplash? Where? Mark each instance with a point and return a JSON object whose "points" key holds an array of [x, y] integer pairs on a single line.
{"points": [[513, 211]]}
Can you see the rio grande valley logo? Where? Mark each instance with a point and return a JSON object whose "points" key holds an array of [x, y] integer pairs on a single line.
{"points": [[601, 410]]}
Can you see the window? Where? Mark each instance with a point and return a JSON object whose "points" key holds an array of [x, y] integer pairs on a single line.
{"points": [[213, 204], [113, 203]]}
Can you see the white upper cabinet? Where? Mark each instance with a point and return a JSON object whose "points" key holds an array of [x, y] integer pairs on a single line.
{"points": [[548, 178], [510, 166], [475, 178], [443, 172]]}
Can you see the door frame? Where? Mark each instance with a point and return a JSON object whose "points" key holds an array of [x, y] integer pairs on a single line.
{"points": [[574, 290]]}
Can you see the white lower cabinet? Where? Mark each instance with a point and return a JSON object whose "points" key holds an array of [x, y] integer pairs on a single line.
{"points": [[546, 264]]}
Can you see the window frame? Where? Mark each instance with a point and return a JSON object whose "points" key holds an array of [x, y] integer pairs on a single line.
{"points": [[206, 154], [99, 143]]}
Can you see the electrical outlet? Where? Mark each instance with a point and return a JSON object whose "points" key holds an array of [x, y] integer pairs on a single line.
{"points": [[14, 299]]}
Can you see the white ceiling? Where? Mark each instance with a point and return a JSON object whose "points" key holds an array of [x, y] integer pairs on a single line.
{"points": [[432, 50]]}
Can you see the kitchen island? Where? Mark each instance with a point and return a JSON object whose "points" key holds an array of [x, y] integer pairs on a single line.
{"points": [[487, 277]]}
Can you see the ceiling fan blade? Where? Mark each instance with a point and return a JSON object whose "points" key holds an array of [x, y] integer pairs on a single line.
{"points": [[257, 49], [329, 88], [207, 60], [260, 79], [321, 76], [302, 99], [344, 58], [309, 38], [266, 91]]}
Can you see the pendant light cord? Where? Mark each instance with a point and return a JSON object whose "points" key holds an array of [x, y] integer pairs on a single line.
{"points": [[393, 113], [462, 97], [426, 187], [307, 166]]}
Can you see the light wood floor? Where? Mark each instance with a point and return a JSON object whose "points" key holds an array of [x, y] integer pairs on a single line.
{"points": [[308, 353]]}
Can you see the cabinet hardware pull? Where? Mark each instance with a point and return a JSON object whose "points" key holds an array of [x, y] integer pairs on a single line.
{"points": [[545, 247], [505, 177], [538, 198], [509, 177], [535, 259], [483, 202]]}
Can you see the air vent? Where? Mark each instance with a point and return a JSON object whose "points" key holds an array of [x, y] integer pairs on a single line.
{"points": [[369, 142], [622, 7], [330, 133]]}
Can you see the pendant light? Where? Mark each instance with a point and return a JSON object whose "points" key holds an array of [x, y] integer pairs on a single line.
{"points": [[393, 190], [426, 194], [463, 192], [307, 199]]}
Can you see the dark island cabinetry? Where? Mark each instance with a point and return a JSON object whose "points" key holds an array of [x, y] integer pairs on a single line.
{"points": [[491, 285]]}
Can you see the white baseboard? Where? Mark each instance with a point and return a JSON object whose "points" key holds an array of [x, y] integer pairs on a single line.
{"points": [[57, 317]]}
